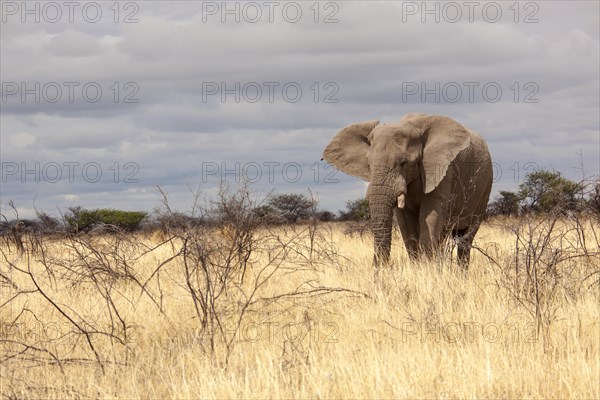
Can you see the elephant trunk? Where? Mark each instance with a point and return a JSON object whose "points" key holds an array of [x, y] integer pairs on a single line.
{"points": [[382, 202]]}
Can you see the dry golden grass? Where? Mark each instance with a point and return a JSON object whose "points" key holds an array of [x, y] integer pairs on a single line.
{"points": [[421, 330]]}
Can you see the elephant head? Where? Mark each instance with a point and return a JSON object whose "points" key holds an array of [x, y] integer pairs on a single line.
{"points": [[417, 149]]}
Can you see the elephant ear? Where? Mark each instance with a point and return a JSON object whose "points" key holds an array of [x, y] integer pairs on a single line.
{"points": [[444, 140], [347, 151]]}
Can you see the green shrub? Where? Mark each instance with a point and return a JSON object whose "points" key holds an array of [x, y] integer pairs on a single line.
{"points": [[356, 210], [81, 220]]}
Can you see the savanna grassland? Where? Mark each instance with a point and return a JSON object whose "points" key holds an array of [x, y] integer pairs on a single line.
{"points": [[298, 312]]}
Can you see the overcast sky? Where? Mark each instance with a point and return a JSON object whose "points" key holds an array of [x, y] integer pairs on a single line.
{"points": [[102, 103]]}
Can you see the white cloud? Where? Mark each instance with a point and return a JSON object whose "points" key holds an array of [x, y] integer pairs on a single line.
{"points": [[71, 43], [22, 140], [71, 198]]}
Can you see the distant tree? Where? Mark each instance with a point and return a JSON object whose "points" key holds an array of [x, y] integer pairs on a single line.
{"points": [[290, 208], [166, 221], [46, 222], [266, 213], [507, 203], [544, 191], [81, 220], [593, 201], [325, 216], [356, 210], [73, 220]]}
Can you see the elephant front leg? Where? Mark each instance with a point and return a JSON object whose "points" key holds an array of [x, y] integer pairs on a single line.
{"points": [[408, 223], [431, 222]]}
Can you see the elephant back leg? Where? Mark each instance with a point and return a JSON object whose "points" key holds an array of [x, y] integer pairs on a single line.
{"points": [[464, 242]]}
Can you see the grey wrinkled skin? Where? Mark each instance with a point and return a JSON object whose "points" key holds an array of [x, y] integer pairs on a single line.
{"points": [[432, 172]]}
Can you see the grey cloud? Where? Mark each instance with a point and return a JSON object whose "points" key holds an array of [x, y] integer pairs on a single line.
{"points": [[371, 55], [70, 43]]}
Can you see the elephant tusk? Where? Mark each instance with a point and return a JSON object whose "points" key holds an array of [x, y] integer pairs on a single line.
{"points": [[401, 200]]}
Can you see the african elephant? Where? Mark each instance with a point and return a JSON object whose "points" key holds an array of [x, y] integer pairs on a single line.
{"points": [[434, 173]]}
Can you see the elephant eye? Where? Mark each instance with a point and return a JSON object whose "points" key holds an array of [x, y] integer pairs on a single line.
{"points": [[402, 162]]}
